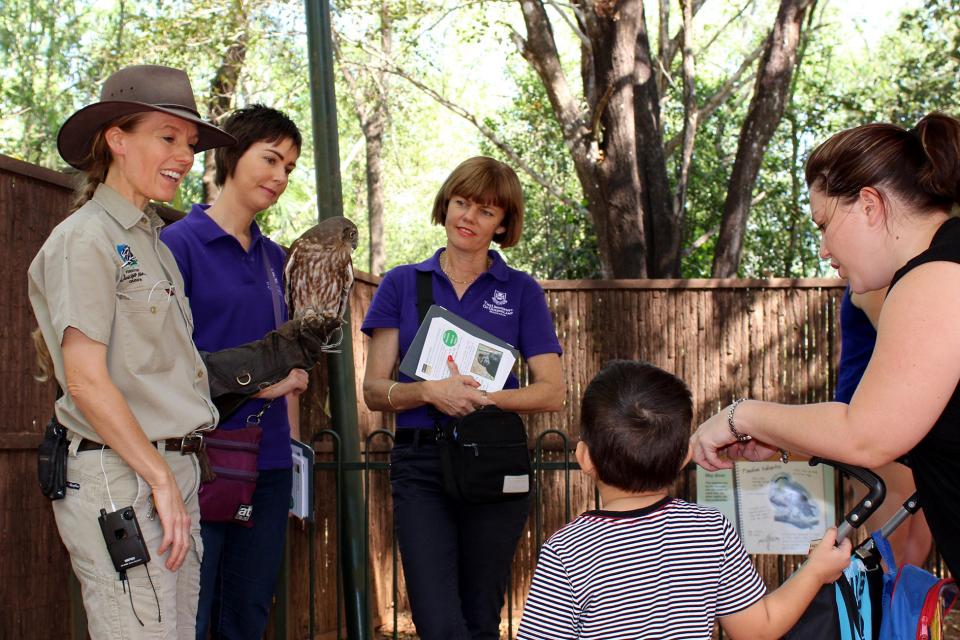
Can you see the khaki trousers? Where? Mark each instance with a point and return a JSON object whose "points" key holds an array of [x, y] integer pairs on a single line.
{"points": [[102, 480]]}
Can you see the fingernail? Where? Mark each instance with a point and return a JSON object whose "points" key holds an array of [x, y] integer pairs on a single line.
{"points": [[449, 358]]}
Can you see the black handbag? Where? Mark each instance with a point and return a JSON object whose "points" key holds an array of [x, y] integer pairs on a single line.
{"points": [[484, 454], [484, 457]]}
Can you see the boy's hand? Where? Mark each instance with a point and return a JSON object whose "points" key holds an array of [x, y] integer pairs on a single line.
{"points": [[826, 560]]}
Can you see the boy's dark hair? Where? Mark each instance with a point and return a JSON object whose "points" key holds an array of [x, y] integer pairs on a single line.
{"points": [[635, 420], [249, 125]]}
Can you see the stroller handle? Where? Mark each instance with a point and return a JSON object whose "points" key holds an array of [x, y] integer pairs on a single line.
{"points": [[876, 492]]}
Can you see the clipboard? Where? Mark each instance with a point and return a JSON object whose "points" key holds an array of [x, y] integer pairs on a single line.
{"points": [[301, 494], [409, 364]]}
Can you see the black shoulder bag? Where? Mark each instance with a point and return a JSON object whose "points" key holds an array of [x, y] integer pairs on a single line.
{"points": [[484, 454]]}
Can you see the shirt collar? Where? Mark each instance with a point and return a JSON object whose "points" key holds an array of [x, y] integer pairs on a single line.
{"points": [[208, 230], [498, 268], [122, 210]]}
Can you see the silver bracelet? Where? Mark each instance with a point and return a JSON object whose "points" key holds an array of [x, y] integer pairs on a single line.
{"points": [[741, 437]]}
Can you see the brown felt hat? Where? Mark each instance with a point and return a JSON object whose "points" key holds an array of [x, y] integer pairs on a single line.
{"points": [[133, 90]]}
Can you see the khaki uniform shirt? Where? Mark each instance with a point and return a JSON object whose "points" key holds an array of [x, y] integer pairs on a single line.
{"points": [[105, 272]]}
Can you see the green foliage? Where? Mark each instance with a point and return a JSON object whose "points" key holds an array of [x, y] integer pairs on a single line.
{"points": [[558, 240], [55, 56]]}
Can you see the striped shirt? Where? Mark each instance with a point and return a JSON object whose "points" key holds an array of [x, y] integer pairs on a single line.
{"points": [[664, 571]]}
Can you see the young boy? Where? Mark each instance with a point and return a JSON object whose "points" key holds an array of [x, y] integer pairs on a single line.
{"points": [[648, 565]]}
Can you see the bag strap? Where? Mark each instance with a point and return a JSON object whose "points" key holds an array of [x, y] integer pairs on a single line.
{"points": [[886, 551], [275, 298], [424, 301], [272, 283], [424, 293]]}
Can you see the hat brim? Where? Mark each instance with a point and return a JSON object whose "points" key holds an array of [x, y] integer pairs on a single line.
{"points": [[76, 134]]}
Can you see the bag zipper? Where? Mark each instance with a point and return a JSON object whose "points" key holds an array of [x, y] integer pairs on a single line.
{"points": [[476, 446], [235, 474], [214, 443], [929, 609]]}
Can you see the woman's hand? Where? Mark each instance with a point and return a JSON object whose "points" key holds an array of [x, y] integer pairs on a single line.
{"points": [[752, 450], [295, 383], [457, 395], [710, 438], [714, 446], [175, 522]]}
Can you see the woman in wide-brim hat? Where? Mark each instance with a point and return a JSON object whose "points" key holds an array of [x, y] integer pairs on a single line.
{"points": [[109, 300]]}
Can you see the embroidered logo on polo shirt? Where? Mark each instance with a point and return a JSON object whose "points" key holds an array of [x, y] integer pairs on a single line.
{"points": [[499, 299], [126, 254], [130, 272]]}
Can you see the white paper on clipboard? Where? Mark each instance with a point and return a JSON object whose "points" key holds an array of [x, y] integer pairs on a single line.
{"points": [[476, 352]]}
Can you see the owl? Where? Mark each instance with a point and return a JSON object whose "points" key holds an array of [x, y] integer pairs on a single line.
{"points": [[319, 269]]}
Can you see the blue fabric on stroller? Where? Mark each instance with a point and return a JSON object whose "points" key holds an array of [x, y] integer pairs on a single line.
{"points": [[854, 604], [911, 598]]}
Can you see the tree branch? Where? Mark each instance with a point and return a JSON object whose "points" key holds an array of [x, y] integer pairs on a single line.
{"points": [[727, 24], [355, 93], [540, 50], [490, 135], [671, 51], [689, 110], [730, 85], [584, 40]]}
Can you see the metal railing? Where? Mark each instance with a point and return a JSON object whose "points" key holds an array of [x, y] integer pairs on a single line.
{"points": [[541, 467], [338, 467]]}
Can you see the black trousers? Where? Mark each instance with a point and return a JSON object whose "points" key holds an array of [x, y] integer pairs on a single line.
{"points": [[456, 558]]}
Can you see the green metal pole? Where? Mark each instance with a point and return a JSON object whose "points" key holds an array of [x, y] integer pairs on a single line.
{"points": [[343, 395], [281, 611]]}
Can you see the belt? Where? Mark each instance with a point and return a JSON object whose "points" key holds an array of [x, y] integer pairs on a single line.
{"points": [[411, 436], [192, 443]]}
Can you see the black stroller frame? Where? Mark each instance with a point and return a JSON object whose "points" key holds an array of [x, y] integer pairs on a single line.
{"points": [[822, 620]]}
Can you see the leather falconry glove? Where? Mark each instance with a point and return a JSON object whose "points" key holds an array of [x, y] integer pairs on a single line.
{"points": [[238, 373]]}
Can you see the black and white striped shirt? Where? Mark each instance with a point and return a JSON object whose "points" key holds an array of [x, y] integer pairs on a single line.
{"points": [[664, 571]]}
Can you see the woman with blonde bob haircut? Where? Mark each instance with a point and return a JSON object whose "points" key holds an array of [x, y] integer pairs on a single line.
{"points": [[488, 181], [456, 557], [882, 197]]}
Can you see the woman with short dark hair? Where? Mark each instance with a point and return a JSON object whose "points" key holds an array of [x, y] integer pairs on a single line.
{"points": [[233, 275], [882, 197], [456, 557]]}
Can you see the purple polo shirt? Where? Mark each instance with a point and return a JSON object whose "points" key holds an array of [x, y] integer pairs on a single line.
{"points": [[506, 302], [231, 303]]}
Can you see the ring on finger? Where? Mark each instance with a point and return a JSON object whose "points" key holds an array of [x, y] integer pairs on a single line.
{"points": [[483, 392]]}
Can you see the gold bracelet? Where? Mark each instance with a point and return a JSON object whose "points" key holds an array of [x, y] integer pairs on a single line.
{"points": [[389, 400]]}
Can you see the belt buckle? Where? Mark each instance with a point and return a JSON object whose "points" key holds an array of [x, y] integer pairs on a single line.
{"points": [[191, 443]]}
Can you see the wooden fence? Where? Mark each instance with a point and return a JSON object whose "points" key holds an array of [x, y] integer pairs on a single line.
{"points": [[769, 339]]}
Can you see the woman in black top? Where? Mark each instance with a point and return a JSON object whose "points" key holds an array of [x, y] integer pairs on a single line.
{"points": [[882, 198]]}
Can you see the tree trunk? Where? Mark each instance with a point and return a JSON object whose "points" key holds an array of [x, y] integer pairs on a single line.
{"points": [[763, 115], [373, 132], [613, 31], [374, 140], [662, 231], [602, 144], [690, 122], [222, 90]]}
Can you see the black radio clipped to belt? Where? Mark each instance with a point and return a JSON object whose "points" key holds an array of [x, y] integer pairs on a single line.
{"points": [[52, 461]]}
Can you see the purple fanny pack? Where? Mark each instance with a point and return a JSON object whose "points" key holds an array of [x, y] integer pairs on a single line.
{"points": [[232, 457]]}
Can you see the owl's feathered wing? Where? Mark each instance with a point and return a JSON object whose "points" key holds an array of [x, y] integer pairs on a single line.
{"points": [[319, 270]]}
